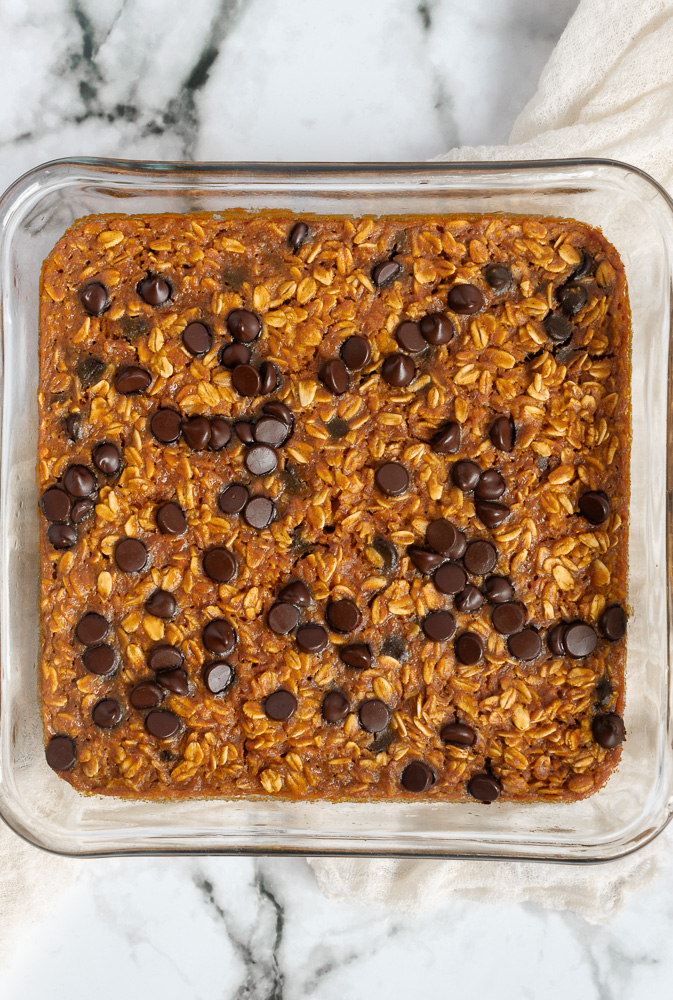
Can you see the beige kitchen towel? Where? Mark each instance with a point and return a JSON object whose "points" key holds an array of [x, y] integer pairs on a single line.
{"points": [[607, 90]]}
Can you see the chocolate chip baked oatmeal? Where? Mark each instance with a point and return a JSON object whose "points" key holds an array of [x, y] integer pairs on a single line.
{"points": [[334, 508]]}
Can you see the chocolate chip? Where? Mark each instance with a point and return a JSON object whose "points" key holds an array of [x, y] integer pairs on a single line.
{"points": [[269, 378], [282, 618], [154, 290], [107, 713], [295, 592], [608, 730], [171, 519], [220, 433], [502, 433], [480, 558], [491, 513], [497, 276], [408, 336], [92, 628], [55, 504], [107, 458], [466, 475], [218, 676], [343, 616], [164, 657], [465, 299], [259, 512], [525, 645], [387, 552], [459, 734], [417, 777], [292, 481], [555, 640], [439, 626], [557, 328], [595, 506], [355, 353], [311, 638], [356, 655], [60, 753], [90, 371], [280, 705], [334, 375], [579, 639], [398, 370], [62, 536], [335, 707], [446, 441], [197, 338], [165, 425], [261, 460], [246, 380], [572, 298], [81, 509], [444, 537], [386, 272], [233, 499], [95, 299], [132, 379], [245, 432], [491, 485], [219, 636], [497, 589], [73, 425], [146, 695], [272, 431], [469, 599], [131, 555], [232, 355], [392, 479], [586, 266], [450, 578], [100, 659], [175, 680], [603, 691], [298, 235], [509, 617], [161, 604], [162, 724], [374, 715], [132, 327], [612, 623], [79, 481], [220, 565], [424, 561], [437, 329], [243, 325], [469, 648], [484, 787], [275, 408]]}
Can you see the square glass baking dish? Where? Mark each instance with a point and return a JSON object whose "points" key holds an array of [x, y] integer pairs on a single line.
{"points": [[636, 215]]}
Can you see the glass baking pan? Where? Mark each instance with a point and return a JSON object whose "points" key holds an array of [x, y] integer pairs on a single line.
{"points": [[636, 215]]}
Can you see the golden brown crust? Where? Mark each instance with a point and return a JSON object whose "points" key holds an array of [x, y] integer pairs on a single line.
{"points": [[572, 410]]}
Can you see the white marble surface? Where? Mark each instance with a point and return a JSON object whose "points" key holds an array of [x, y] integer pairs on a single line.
{"points": [[293, 80]]}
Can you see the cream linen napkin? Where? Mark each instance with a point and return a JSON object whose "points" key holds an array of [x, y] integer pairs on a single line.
{"points": [[607, 90]]}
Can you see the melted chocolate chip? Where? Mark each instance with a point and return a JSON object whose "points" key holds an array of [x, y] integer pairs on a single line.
{"points": [[232, 355], [55, 504], [343, 616], [197, 338], [220, 565], [295, 592], [272, 431], [335, 707], [480, 558], [408, 336], [469, 599], [502, 433], [220, 433], [491, 485], [498, 277], [161, 604], [218, 676], [491, 513], [298, 235], [595, 506], [450, 578], [525, 645], [92, 628], [259, 512], [107, 713], [282, 618], [62, 536], [386, 272], [337, 428], [557, 328], [444, 537], [497, 589], [466, 475], [219, 636], [424, 561], [132, 379], [79, 481], [100, 659], [164, 657], [243, 325], [60, 753], [612, 623], [90, 371], [394, 647], [311, 638], [246, 380], [446, 441], [572, 297], [458, 734], [484, 787], [608, 730], [387, 552], [146, 695], [261, 460], [417, 777], [73, 425], [280, 705], [437, 329], [439, 626], [374, 715], [165, 425], [107, 458], [162, 724]]}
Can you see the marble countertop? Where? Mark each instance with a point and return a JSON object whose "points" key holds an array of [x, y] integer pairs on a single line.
{"points": [[300, 80]]}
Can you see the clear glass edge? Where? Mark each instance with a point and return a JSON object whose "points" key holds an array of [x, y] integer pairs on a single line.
{"points": [[10, 200]]}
